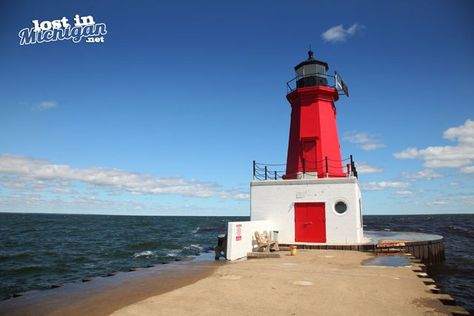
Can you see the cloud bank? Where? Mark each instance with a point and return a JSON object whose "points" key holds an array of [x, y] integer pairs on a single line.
{"points": [[460, 155], [41, 175]]}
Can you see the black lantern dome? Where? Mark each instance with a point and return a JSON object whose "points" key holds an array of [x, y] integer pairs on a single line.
{"points": [[311, 72]]}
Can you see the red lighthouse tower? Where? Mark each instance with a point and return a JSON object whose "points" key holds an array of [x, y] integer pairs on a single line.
{"points": [[313, 149]]}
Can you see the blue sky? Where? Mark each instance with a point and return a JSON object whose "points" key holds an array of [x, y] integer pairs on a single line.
{"points": [[166, 115]]}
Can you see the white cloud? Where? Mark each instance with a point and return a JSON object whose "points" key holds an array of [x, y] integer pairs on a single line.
{"points": [[467, 170], [42, 175], [339, 34], [457, 156], [364, 168], [464, 134], [427, 174], [468, 200], [45, 105], [377, 186], [405, 192], [363, 140], [438, 202]]}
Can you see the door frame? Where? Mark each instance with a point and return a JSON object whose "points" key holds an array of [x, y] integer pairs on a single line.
{"points": [[323, 211]]}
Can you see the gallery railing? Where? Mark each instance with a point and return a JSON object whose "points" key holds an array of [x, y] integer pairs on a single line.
{"points": [[318, 79], [268, 171]]}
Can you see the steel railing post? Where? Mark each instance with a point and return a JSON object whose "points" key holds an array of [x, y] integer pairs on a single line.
{"points": [[254, 169], [304, 167], [327, 167]]}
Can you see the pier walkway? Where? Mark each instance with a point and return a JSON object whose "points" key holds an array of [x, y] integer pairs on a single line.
{"points": [[315, 282]]}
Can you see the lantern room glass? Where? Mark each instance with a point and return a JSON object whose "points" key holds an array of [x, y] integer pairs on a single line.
{"points": [[311, 74], [311, 69]]}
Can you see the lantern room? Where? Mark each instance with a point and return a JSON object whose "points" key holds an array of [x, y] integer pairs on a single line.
{"points": [[311, 72]]}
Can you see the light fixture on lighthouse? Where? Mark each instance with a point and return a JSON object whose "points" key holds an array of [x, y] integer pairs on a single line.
{"points": [[311, 72]]}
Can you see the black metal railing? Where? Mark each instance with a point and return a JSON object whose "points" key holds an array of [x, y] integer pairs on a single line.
{"points": [[268, 171], [318, 79]]}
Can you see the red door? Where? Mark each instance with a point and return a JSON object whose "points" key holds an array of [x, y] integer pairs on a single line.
{"points": [[310, 222]]}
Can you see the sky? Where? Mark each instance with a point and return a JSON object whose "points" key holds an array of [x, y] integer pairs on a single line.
{"points": [[165, 114]]}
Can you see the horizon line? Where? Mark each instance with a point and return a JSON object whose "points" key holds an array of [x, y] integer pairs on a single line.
{"points": [[181, 215]]}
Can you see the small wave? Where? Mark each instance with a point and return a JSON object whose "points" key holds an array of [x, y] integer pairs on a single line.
{"points": [[457, 228], [144, 244], [461, 231], [192, 250], [146, 253], [15, 256], [194, 231], [193, 247], [28, 269], [173, 252], [209, 229]]}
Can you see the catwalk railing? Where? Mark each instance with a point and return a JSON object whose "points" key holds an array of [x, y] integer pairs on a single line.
{"points": [[318, 79], [269, 171]]}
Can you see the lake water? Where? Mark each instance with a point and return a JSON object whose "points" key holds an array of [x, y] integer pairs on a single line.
{"points": [[41, 250]]}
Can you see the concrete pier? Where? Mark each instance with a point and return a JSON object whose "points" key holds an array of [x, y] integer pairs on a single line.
{"points": [[314, 282]]}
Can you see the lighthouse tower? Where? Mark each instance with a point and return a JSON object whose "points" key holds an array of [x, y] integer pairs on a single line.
{"points": [[313, 149]]}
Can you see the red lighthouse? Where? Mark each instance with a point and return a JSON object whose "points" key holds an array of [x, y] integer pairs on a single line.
{"points": [[313, 149], [316, 201]]}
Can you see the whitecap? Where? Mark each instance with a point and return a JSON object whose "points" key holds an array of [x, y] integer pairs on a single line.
{"points": [[146, 253], [173, 252], [193, 247]]}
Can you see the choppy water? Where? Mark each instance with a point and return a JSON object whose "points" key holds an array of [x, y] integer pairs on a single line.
{"points": [[456, 275], [39, 250]]}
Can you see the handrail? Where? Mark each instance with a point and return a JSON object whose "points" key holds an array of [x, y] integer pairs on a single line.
{"points": [[268, 171], [333, 81]]}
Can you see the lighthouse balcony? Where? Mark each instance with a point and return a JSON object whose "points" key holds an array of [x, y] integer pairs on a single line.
{"points": [[318, 79], [310, 170]]}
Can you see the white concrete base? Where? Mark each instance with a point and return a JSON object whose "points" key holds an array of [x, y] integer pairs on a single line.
{"points": [[274, 200], [307, 175]]}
